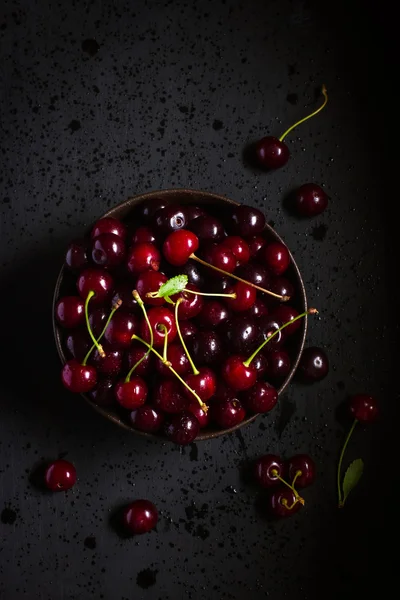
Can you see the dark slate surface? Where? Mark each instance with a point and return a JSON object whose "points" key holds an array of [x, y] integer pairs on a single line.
{"points": [[102, 100]]}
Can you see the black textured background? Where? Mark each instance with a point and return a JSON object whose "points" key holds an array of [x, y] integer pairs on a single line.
{"points": [[105, 99]]}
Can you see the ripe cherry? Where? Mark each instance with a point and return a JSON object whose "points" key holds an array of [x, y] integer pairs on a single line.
{"points": [[202, 417], [131, 394], [277, 257], [285, 313], [78, 343], [261, 398], [204, 384], [140, 517], [256, 243], [191, 304], [259, 309], [182, 428], [97, 320], [110, 364], [121, 328], [278, 365], [309, 200], [159, 318], [238, 247], [103, 393], [78, 378], [237, 375], [241, 334], [212, 314], [123, 292], [222, 258], [271, 153], [76, 256], [207, 228], [108, 250], [227, 413], [283, 502], [267, 470], [70, 311], [207, 348], [245, 220], [177, 357], [179, 246], [300, 470], [143, 235], [136, 352], [169, 219], [108, 225], [282, 287], [150, 281], [98, 281], [168, 396], [147, 418], [364, 408], [146, 210], [60, 476], [245, 297], [188, 330], [142, 257], [313, 365], [254, 273], [268, 325]]}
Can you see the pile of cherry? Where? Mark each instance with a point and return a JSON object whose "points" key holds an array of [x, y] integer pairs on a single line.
{"points": [[203, 354]]}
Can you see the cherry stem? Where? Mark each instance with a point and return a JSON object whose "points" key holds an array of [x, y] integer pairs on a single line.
{"points": [[297, 475], [260, 289], [199, 400], [310, 311], [286, 505], [339, 487], [115, 307], [295, 492], [195, 370], [95, 342], [233, 295], [138, 299], [325, 94], [162, 326]]}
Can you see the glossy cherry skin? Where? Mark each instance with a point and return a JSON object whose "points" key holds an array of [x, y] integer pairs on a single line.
{"points": [[78, 343], [178, 359], [97, 320], [240, 334], [169, 219], [193, 272], [222, 258], [277, 258], [227, 413], [305, 464], [76, 256], [193, 211], [267, 468], [108, 250], [150, 281], [256, 243], [237, 375], [213, 314], [245, 220], [207, 348], [223, 392], [60, 476], [182, 428], [202, 417], [278, 365], [108, 225], [258, 309], [168, 396], [254, 273], [266, 326], [277, 501], [271, 153], [245, 297], [179, 246], [98, 281], [103, 393], [78, 378], [190, 305], [364, 408], [131, 394], [121, 328], [140, 517], [123, 292], [142, 257], [260, 364], [313, 365], [261, 398], [188, 330], [159, 316], [204, 384], [238, 247], [285, 313], [70, 312], [143, 235], [207, 228], [282, 287], [309, 200], [147, 418], [146, 211], [110, 364], [135, 353]]}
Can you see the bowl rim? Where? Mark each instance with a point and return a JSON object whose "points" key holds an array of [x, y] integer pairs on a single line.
{"points": [[191, 195]]}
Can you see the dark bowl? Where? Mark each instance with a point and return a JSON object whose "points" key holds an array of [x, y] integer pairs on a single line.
{"points": [[183, 196]]}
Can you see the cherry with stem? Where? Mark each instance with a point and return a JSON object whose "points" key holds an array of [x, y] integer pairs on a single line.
{"points": [[140, 302], [195, 370]]}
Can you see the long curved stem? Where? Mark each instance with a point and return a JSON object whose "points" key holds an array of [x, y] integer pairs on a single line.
{"points": [[233, 295], [339, 470], [115, 307], [95, 342], [325, 94], [195, 370], [295, 492], [260, 289], [165, 359], [138, 299]]}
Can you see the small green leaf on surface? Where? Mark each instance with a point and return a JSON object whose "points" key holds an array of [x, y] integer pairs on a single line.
{"points": [[173, 286], [352, 477]]}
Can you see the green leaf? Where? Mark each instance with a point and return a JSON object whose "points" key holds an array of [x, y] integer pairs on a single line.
{"points": [[173, 286], [352, 477]]}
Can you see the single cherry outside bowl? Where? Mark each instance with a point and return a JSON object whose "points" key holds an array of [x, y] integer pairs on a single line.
{"points": [[185, 196]]}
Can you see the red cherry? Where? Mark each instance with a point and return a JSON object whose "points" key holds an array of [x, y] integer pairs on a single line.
{"points": [[140, 517], [188, 330], [159, 317], [168, 396], [178, 359], [98, 281], [304, 464], [310, 200], [76, 256], [142, 257], [108, 250], [191, 304], [256, 243], [182, 428], [212, 314], [179, 245], [110, 364], [131, 394], [267, 470], [222, 258], [278, 365], [78, 343], [143, 235], [70, 311], [204, 384], [150, 281], [237, 375], [239, 248], [227, 413], [285, 313], [258, 309], [245, 297], [364, 408], [78, 378], [277, 257], [135, 352], [261, 398], [121, 328], [202, 417], [271, 153], [123, 292], [103, 393], [108, 225], [60, 476], [147, 418]]}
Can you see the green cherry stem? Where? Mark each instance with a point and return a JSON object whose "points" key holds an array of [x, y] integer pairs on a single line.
{"points": [[295, 492], [195, 370], [151, 349], [339, 470], [286, 505], [297, 475], [325, 94], [138, 299], [260, 289], [233, 295], [114, 308], [310, 311], [95, 342], [165, 359]]}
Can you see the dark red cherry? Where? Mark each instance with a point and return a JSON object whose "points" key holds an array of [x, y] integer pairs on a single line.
{"points": [[285, 313], [108, 250], [140, 517], [282, 287], [169, 219], [108, 225], [193, 212], [60, 476], [223, 392], [196, 410], [78, 343], [179, 246], [207, 348], [110, 364], [254, 273], [121, 328], [267, 470], [256, 243], [159, 317], [245, 220], [147, 209], [278, 365], [204, 384], [70, 312], [258, 309], [76, 256], [150, 281], [97, 320], [313, 365], [222, 258], [191, 304], [193, 272], [218, 285], [182, 428], [207, 228], [309, 200], [98, 281], [303, 464], [277, 257], [168, 396], [188, 330], [178, 359], [283, 502], [212, 314], [271, 153], [268, 325], [245, 297], [260, 364], [240, 334], [261, 398], [237, 375], [123, 292], [147, 418], [78, 378], [239, 248], [143, 235], [136, 352], [142, 257], [364, 408], [103, 393], [227, 413], [131, 394]]}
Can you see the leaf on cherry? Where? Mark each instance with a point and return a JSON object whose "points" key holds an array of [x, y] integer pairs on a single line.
{"points": [[352, 477], [173, 286]]}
